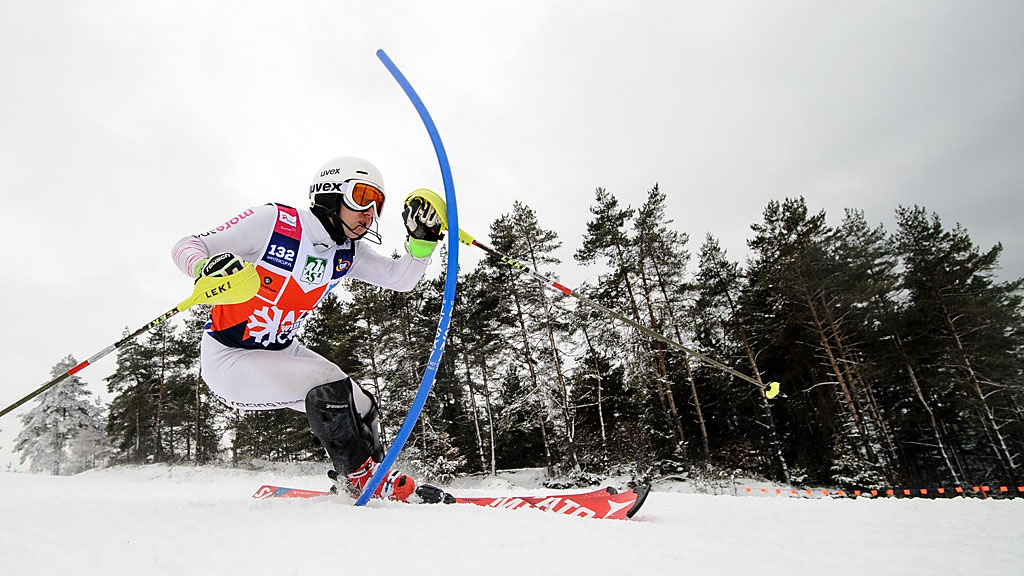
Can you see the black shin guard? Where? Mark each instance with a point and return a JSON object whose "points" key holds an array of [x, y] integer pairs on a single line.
{"points": [[348, 437]]}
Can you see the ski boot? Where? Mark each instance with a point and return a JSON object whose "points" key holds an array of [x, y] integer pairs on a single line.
{"points": [[430, 494], [396, 486]]}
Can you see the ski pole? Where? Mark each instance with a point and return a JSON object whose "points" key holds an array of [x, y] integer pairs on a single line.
{"points": [[233, 289], [770, 391]]}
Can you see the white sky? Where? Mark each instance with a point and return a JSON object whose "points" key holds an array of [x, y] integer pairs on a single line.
{"points": [[126, 125]]}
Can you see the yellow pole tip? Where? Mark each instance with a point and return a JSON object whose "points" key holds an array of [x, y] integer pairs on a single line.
{"points": [[772, 391]]}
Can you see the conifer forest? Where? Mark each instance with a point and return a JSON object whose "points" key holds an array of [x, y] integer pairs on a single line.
{"points": [[899, 354]]}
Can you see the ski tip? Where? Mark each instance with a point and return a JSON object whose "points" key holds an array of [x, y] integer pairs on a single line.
{"points": [[641, 495], [265, 491]]}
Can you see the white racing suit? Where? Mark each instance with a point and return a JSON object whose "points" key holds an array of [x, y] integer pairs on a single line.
{"points": [[249, 356]]}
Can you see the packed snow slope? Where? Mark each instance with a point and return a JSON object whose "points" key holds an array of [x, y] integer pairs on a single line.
{"points": [[157, 520]]}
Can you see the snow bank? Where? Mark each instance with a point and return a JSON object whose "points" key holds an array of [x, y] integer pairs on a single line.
{"points": [[181, 520]]}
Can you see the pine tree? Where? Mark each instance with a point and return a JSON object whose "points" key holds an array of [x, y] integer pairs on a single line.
{"points": [[479, 321], [198, 414], [662, 257], [520, 233], [61, 433], [612, 424], [970, 327], [720, 332], [276, 435], [150, 412], [791, 275], [863, 285], [130, 419], [539, 330], [519, 409], [608, 240]]}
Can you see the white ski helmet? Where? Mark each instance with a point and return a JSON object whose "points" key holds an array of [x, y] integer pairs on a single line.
{"points": [[327, 188], [348, 181]]}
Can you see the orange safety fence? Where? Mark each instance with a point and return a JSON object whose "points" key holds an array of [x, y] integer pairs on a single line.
{"points": [[983, 491]]}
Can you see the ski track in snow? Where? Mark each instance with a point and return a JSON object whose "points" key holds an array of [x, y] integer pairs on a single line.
{"points": [[158, 520]]}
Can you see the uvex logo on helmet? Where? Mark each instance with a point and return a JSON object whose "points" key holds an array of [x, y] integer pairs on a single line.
{"points": [[325, 187], [330, 172]]}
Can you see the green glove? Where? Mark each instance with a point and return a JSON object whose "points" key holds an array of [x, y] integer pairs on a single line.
{"points": [[419, 248]]}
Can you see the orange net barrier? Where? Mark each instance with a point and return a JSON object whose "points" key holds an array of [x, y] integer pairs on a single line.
{"points": [[983, 491]]}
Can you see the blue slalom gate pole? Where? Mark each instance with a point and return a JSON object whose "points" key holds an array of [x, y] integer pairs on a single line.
{"points": [[449, 287]]}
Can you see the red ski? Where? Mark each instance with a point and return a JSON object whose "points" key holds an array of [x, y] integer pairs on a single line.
{"points": [[267, 491], [602, 503]]}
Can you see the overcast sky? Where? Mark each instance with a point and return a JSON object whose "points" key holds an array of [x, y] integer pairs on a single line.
{"points": [[126, 125]]}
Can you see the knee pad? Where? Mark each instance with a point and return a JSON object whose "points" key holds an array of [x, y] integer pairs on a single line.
{"points": [[349, 437]]}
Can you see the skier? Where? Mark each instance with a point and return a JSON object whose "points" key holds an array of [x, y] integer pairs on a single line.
{"points": [[250, 359]]}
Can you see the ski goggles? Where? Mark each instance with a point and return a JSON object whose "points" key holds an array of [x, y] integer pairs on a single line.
{"points": [[359, 196]]}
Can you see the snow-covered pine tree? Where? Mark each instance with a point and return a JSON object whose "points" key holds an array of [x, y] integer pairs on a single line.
{"points": [[199, 416], [479, 322], [437, 444], [662, 256], [608, 242], [540, 328], [964, 332], [719, 332], [62, 416], [614, 436]]}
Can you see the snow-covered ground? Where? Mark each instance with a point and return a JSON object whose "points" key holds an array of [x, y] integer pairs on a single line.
{"points": [[180, 520]]}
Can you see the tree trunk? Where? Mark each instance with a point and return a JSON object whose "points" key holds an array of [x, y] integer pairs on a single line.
{"points": [[840, 379], [568, 410], [533, 379], [668, 403], [676, 420], [852, 375], [199, 409], [774, 440], [999, 445], [138, 432], [472, 409], [600, 406], [490, 416], [928, 409], [689, 373], [158, 420]]}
